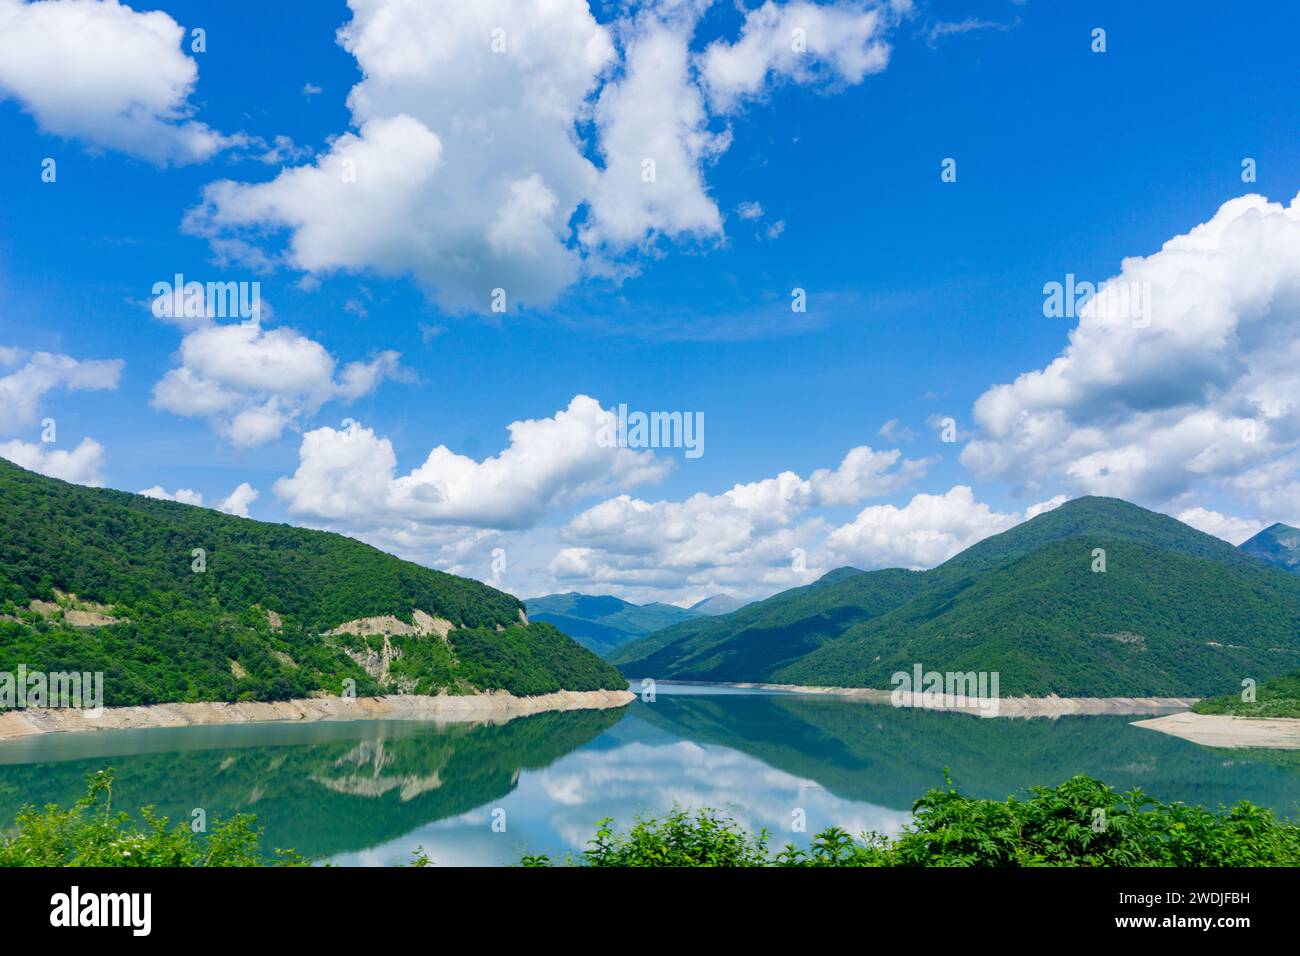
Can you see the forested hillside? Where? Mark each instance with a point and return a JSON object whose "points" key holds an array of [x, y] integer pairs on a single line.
{"points": [[177, 603], [746, 645]]}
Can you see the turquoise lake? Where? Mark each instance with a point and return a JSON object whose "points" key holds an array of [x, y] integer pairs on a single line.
{"points": [[370, 793]]}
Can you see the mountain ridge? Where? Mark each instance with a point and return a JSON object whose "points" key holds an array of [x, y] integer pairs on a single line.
{"points": [[1278, 544], [1176, 612]]}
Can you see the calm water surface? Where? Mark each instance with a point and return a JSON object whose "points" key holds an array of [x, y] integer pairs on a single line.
{"points": [[369, 793]]}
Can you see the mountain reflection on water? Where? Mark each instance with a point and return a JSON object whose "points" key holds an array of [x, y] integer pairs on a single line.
{"points": [[371, 793]]}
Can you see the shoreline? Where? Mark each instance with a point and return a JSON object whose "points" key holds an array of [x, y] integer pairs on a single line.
{"points": [[1022, 707], [492, 707], [1226, 730]]}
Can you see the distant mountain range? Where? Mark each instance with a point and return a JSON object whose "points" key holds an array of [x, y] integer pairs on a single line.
{"points": [[1278, 544], [1174, 612], [602, 623], [746, 644], [179, 603], [718, 604]]}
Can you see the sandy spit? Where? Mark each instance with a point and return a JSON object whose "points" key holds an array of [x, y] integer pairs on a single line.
{"points": [[495, 707], [1224, 730], [1007, 706]]}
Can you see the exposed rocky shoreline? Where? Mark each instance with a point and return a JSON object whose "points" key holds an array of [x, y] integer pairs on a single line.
{"points": [[1006, 706], [495, 707]]}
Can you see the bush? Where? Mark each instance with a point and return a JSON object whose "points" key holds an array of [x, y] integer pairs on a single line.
{"points": [[89, 833], [1082, 822]]}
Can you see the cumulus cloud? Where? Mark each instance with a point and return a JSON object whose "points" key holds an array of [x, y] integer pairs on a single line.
{"points": [[348, 477], [82, 465], [465, 168], [253, 383], [928, 530], [1199, 389], [654, 139], [744, 539], [236, 503], [799, 42], [1231, 529], [1033, 511], [22, 390], [185, 496], [468, 164], [101, 72]]}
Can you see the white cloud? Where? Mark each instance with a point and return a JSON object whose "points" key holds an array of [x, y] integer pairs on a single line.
{"points": [[82, 465], [1231, 529], [468, 165], [253, 383], [1274, 489], [894, 430], [739, 541], [928, 530], [348, 477], [98, 71], [655, 141], [185, 496], [238, 501], [799, 42], [21, 391], [362, 202], [236, 504], [1033, 511], [1201, 388], [947, 28]]}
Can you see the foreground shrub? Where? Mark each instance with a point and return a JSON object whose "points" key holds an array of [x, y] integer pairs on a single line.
{"points": [[1082, 822], [90, 833]]}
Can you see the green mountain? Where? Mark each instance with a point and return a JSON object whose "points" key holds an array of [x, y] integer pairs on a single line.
{"points": [[717, 604], [749, 644], [1176, 612], [602, 623], [1279, 545], [177, 603]]}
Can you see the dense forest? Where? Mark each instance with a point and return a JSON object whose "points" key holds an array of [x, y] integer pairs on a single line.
{"points": [[177, 603], [1275, 697]]}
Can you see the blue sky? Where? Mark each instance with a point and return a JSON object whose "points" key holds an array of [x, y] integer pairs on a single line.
{"points": [[923, 295]]}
